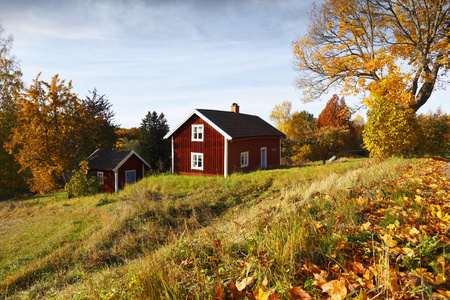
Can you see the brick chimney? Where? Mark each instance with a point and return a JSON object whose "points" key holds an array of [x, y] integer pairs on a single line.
{"points": [[235, 108]]}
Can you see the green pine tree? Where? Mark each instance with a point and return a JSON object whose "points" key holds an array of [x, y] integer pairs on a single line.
{"points": [[153, 148]]}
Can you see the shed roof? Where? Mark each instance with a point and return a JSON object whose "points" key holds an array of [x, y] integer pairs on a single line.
{"points": [[110, 160], [234, 125]]}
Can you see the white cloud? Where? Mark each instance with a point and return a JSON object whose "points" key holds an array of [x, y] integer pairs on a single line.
{"points": [[160, 20], [165, 55]]}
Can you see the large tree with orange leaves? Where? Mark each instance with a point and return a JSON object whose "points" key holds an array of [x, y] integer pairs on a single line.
{"points": [[395, 49], [46, 141], [336, 113], [55, 130], [334, 128]]}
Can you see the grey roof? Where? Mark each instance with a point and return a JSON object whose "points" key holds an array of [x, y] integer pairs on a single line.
{"points": [[238, 125], [233, 125], [109, 160]]}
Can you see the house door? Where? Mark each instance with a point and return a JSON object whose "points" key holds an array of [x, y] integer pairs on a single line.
{"points": [[263, 158], [130, 176]]}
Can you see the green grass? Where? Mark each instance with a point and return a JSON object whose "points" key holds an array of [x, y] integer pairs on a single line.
{"points": [[174, 236]]}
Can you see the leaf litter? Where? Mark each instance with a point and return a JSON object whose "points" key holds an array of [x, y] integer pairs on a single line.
{"points": [[402, 249]]}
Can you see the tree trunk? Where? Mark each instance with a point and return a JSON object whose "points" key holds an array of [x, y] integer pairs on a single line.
{"points": [[428, 86]]}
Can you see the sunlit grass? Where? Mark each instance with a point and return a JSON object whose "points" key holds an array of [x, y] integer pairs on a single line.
{"points": [[168, 235], [281, 226]]}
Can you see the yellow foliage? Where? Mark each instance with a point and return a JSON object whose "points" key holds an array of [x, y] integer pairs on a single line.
{"points": [[297, 126], [119, 146], [281, 115], [260, 294], [302, 152], [391, 129]]}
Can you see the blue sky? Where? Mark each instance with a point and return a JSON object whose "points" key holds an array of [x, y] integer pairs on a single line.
{"points": [[168, 56]]}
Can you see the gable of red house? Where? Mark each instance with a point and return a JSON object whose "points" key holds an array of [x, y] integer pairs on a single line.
{"points": [[213, 142], [115, 169]]}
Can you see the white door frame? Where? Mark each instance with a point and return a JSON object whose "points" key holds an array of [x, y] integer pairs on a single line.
{"points": [[263, 157]]}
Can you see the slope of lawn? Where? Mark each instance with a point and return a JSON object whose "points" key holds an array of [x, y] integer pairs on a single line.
{"points": [[357, 228]]}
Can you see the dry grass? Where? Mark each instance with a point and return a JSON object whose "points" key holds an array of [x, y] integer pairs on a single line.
{"points": [[173, 236], [280, 225]]}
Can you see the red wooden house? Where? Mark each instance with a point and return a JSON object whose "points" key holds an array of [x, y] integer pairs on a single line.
{"points": [[114, 169], [212, 142]]}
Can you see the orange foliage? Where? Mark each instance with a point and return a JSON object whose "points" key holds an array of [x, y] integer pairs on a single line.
{"points": [[48, 133], [131, 133], [336, 113], [395, 49]]}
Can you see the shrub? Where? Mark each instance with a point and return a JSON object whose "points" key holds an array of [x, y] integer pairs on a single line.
{"points": [[435, 138], [391, 129], [82, 183]]}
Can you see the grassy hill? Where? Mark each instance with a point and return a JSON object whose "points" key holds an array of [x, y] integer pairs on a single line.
{"points": [[358, 229]]}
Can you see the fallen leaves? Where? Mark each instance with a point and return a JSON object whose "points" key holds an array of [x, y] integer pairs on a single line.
{"points": [[244, 289], [244, 283], [260, 294], [298, 293], [399, 249], [336, 289]]}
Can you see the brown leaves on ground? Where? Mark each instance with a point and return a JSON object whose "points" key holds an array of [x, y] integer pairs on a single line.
{"points": [[399, 250], [298, 293], [238, 292]]}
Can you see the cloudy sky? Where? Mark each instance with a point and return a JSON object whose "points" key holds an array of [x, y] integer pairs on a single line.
{"points": [[167, 56]]}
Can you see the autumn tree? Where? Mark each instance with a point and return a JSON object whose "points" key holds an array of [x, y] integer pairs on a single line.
{"points": [[336, 113], [281, 115], [154, 149], [49, 132], [99, 123], [131, 133], [296, 126], [357, 146], [298, 130], [391, 129], [394, 49], [10, 85], [435, 138], [128, 140], [327, 140], [334, 127]]}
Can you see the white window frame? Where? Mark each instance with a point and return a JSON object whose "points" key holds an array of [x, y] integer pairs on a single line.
{"points": [[195, 161], [244, 159], [197, 133], [101, 177]]}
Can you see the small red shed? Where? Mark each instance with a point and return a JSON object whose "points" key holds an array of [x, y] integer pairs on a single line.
{"points": [[213, 142], [114, 169]]}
